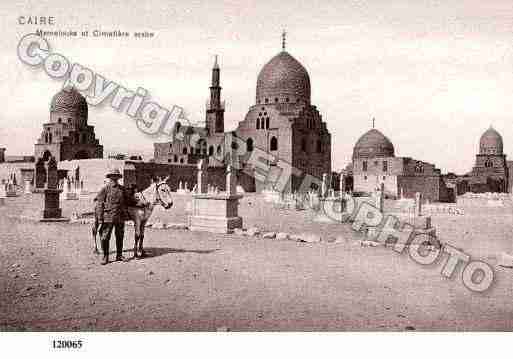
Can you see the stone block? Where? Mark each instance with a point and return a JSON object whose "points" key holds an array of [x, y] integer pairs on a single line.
{"points": [[239, 232], [177, 226], [253, 231], [282, 236], [269, 235], [216, 213], [310, 238]]}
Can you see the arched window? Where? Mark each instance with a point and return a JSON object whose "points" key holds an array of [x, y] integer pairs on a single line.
{"points": [[219, 150], [211, 150], [184, 150], [267, 122], [319, 146], [364, 167], [488, 164], [303, 145], [175, 158], [274, 144], [258, 123], [266, 100], [59, 120], [249, 145]]}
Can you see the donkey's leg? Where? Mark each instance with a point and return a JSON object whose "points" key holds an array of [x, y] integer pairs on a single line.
{"points": [[94, 232], [142, 253], [137, 233]]}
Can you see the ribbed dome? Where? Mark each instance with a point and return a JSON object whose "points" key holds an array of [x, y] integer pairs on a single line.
{"points": [[491, 142], [373, 144], [69, 100], [282, 78]]}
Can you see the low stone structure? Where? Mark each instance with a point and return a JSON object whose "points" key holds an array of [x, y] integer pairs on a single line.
{"points": [[215, 212], [52, 211]]}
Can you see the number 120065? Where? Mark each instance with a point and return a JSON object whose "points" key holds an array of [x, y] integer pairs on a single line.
{"points": [[67, 344]]}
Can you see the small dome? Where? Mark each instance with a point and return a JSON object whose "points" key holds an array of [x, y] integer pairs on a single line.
{"points": [[283, 77], [69, 100], [373, 144], [491, 142]]}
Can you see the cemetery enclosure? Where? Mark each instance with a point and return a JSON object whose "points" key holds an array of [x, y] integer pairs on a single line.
{"points": [[204, 281]]}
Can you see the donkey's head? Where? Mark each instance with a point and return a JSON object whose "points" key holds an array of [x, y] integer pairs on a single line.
{"points": [[163, 193]]}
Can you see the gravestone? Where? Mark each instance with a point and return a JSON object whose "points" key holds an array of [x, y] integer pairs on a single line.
{"points": [[28, 186], [202, 177], [11, 187], [2, 193], [324, 185], [379, 197], [342, 184], [418, 204], [51, 205], [231, 181], [216, 212]]}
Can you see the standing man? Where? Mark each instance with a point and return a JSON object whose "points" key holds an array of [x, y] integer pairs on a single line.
{"points": [[111, 211]]}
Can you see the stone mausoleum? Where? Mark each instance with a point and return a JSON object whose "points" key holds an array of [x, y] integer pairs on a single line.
{"points": [[375, 162], [491, 169], [67, 136], [282, 122]]}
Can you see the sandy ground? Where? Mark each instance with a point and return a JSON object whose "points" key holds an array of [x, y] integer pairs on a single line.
{"points": [[51, 281]]}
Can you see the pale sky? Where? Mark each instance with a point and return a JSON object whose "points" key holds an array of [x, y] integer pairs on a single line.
{"points": [[434, 74]]}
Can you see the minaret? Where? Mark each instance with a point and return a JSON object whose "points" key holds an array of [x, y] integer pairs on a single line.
{"points": [[215, 109]]}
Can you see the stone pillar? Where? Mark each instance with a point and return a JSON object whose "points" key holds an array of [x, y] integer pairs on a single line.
{"points": [[418, 204], [52, 211], [324, 185], [342, 184], [380, 197], [231, 181], [202, 177], [3, 193], [28, 186]]}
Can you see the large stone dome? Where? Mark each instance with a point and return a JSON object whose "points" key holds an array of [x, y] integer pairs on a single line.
{"points": [[491, 142], [373, 144], [69, 100], [283, 79]]}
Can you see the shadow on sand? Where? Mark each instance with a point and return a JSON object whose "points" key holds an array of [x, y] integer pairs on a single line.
{"points": [[160, 251]]}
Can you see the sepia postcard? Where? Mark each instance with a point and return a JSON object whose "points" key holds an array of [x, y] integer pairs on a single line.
{"points": [[177, 167]]}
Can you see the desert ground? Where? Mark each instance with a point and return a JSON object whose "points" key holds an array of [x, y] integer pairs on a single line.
{"points": [[51, 280]]}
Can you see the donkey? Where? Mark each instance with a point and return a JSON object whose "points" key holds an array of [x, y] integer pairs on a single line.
{"points": [[158, 193]]}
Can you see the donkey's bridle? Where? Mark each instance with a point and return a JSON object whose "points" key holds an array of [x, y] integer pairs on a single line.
{"points": [[158, 199]]}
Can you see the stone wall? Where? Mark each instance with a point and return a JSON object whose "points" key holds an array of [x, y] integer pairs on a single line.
{"points": [[216, 176], [432, 188]]}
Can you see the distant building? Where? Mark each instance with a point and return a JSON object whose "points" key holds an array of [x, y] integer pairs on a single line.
{"points": [[282, 123], [67, 135], [374, 163], [491, 169]]}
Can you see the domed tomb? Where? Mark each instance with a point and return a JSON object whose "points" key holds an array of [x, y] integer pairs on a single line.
{"points": [[491, 143], [69, 101], [283, 79], [373, 144]]}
